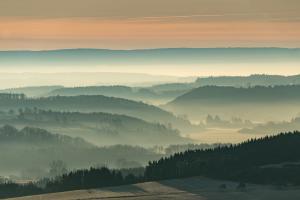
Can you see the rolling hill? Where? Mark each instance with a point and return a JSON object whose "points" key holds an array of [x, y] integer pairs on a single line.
{"points": [[262, 168], [101, 129], [29, 151], [197, 188], [268, 160], [230, 81], [94, 103], [133, 93], [34, 91], [254, 103]]}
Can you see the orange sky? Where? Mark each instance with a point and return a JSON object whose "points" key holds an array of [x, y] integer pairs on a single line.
{"points": [[56, 33], [129, 24]]}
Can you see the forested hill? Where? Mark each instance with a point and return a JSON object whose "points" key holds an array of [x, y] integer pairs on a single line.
{"points": [[30, 150], [257, 103], [233, 94], [91, 103], [273, 159], [38, 137], [269, 160], [32, 91], [97, 128], [231, 81]]}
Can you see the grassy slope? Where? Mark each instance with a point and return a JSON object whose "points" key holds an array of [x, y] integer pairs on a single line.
{"points": [[196, 188]]}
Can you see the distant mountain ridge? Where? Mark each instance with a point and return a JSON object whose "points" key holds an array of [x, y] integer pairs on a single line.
{"points": [[157, 92], [75, 57]]}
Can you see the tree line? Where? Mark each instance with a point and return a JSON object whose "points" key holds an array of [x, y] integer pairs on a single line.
{"points": [[250, 161], [269, 160]]}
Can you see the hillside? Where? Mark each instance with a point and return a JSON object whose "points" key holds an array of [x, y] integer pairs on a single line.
{"points": [[133, 93], [97, 128], [28, 152], [34, 91], [254, 103], [230, 81], [37, 137], [269, 160], [158, 93], [93, 103], [188, 189], [266, 161]]}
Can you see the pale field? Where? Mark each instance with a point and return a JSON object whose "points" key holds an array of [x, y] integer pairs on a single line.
{"points": [[197, 188]]}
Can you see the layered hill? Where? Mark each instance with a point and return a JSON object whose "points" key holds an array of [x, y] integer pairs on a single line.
{"points": [[230, 81], [33, 91], [255, 103], [271, 162], [37, 137], [93, 103], [133, 93], [97, 128], [28, 152]]}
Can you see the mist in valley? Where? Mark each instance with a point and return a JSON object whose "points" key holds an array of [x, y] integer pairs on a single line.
{"points": [[125, 128], [150, 99]]}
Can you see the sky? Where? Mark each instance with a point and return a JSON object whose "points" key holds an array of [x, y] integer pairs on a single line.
{"points": [[148, 24], [143, 24]]}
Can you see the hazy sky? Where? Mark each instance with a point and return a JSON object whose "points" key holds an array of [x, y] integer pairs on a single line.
{"points": [[129, 24]]}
